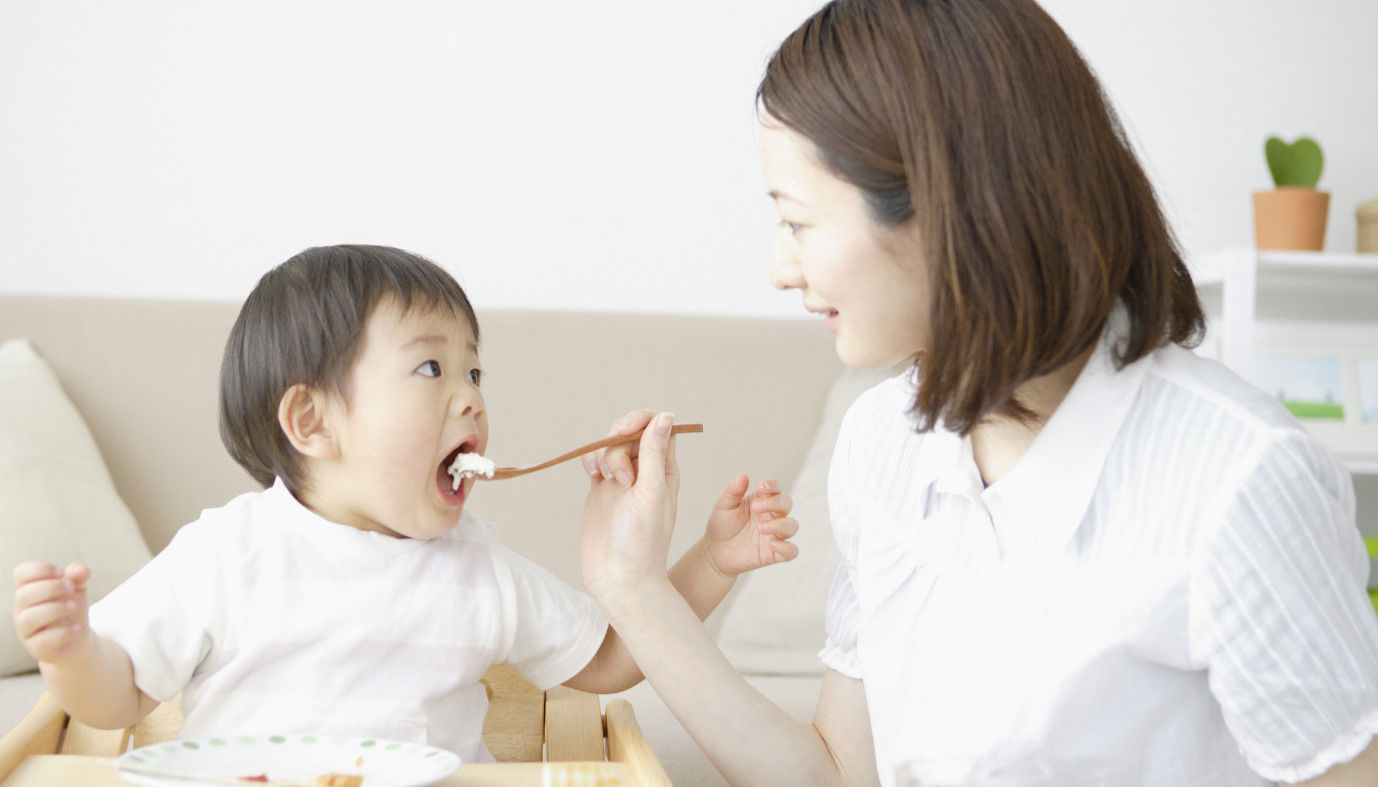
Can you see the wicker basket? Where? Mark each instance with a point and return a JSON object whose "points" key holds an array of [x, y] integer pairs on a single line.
{"points": [[1366, 216]]}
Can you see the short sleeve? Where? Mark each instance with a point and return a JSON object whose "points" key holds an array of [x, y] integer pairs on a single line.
{"points": [[1280, 616], [550, 630], [161, 616], [842, 615]]}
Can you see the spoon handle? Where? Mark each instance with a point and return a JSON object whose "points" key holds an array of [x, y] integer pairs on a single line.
{"points": [[512, 472]]}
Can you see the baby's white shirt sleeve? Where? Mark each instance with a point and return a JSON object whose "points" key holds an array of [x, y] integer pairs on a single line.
{"points": [[162, 616], [550, 631]]}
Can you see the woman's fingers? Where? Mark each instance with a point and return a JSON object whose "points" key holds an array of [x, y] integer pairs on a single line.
{"points": [[656, 452], [619, 460]]}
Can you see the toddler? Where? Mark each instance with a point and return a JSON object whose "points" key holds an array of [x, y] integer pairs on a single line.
{"points": [[353, 596]]}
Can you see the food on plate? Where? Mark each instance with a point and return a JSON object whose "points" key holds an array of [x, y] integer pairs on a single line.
{"points": [[338, 780], [471, 464]]}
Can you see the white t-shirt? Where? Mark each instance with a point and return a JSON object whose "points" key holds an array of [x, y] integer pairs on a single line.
{"points": [[1167, 589], [269, 618]]}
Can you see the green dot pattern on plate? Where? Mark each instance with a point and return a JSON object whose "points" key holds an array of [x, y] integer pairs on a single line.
{"points": [[392, 746], [190, 745], [277, 739], [307, 739], [217, 742], [367, 744], [170, 747], [246, 739]]}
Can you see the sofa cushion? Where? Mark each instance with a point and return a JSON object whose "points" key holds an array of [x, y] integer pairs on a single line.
{"points": [[774, 624], [59, 503]]}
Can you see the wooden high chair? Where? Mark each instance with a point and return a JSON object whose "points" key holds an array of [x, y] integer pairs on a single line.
{"points": [[523, 724]]}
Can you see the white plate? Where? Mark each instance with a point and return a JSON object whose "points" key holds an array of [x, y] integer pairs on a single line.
{"points": [[296, 757]]}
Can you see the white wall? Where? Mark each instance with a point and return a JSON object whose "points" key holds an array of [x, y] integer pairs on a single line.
{"points": [[594, 155]]}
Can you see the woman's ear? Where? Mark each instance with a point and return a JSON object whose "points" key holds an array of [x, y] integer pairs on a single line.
{"points": [[301, 414]]}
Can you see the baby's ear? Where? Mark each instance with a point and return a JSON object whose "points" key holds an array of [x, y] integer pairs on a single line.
{"points": [[301, 414]]}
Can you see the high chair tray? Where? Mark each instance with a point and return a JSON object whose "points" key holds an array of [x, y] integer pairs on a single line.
{"points": [[69, 770]]}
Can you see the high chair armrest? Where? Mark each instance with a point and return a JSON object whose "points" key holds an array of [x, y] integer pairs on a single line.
{"points": [[626, 743], [573, 726], [40, 732]]}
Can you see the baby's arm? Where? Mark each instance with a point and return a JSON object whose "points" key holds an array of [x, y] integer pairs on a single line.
{"points": [[89, 675]]}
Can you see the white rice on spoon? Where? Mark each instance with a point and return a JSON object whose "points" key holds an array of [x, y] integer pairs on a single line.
{"points": [[471, 464]]}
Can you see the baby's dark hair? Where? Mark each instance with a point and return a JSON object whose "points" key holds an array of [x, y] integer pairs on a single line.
{"points": [[304, 323]]}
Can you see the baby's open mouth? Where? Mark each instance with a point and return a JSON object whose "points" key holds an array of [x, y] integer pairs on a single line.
{"points": [[463, 463]]}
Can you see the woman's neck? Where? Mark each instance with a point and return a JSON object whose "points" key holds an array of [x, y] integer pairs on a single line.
{"points": [[997, 444]]}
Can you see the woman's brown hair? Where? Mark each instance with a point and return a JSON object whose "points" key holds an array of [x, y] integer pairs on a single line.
{"points": [[304, 323], [980, 120]]}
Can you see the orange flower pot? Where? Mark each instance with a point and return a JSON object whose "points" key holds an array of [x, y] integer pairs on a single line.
{"points": [[1290, 217]]}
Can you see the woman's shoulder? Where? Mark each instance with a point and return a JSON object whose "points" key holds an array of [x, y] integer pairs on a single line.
{"points": [[878, 435], [1209, 384], [1219, 424], [887, 402]]}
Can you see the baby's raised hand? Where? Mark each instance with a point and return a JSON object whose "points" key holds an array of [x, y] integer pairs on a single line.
{"points": [[747, 531], [50, 609]]}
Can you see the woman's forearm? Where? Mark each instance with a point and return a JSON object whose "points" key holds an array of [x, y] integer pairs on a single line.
{"points": [[748, 738], [703, 587]]}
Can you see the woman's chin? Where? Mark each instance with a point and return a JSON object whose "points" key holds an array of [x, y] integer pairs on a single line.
{"points": [[862, 360]]}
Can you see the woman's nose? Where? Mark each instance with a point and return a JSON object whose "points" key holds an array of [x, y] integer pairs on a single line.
{"points": [[784, 265]]}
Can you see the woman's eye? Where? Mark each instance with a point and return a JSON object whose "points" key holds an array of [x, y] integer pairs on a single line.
{"points": [[475, 376], [791, 226], [429, 369]]}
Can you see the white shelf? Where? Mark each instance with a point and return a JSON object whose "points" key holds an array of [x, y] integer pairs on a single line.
{"points": [[1306, 302], [1210, 268]]}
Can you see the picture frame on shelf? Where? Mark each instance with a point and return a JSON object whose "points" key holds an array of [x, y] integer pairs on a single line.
{"points": [[1310, 385], [1366, 381]]}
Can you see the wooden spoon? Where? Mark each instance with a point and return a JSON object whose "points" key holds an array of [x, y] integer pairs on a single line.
{"points": [[503, 473]]}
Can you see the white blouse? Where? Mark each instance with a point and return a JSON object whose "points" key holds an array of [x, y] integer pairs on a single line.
{"points": [[1167, 589]]}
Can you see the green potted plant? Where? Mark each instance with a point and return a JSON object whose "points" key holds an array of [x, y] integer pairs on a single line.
{"points": [[1292, 215]]}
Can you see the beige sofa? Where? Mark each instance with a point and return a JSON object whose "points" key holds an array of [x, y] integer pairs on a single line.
{"points": [[142, 374]]}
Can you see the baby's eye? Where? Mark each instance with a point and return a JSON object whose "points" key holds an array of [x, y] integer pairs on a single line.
{"points": [[475, 376], [791, 226], [429, 369]]}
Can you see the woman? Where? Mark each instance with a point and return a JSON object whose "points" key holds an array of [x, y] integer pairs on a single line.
{"points": [[1064, 540]]}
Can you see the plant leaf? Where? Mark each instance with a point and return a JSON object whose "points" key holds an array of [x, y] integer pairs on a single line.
{"points": [[1297, 164]]}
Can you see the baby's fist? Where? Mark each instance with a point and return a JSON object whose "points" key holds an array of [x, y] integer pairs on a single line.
{"points": [[749, 531], [50, 609]]}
